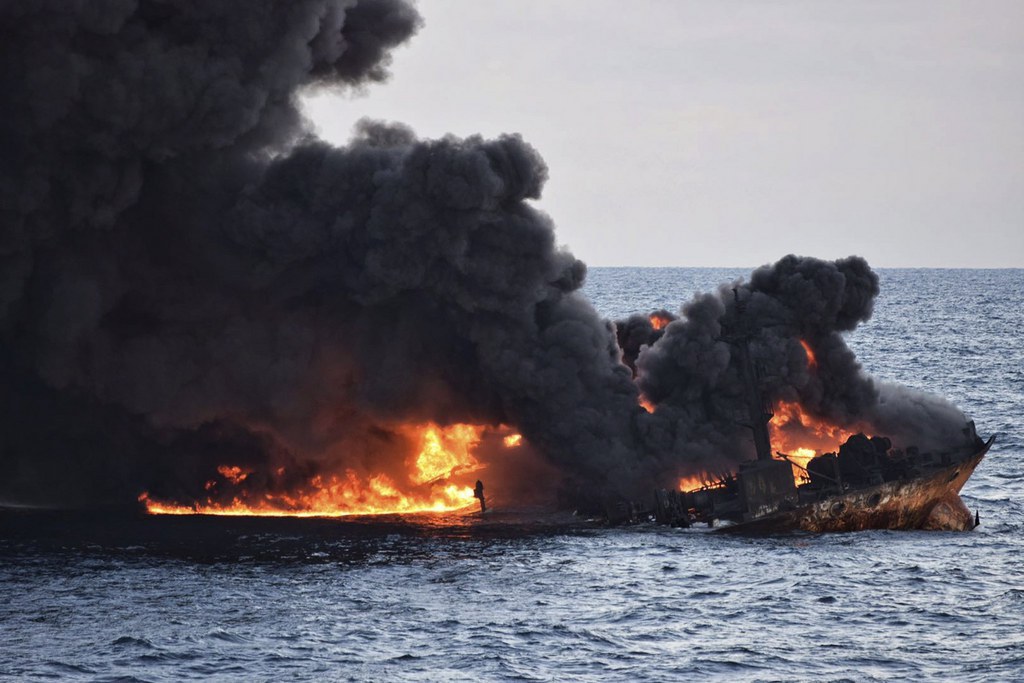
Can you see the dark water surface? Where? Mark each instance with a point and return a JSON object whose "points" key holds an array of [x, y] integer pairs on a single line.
{"points": [[541, 597]]}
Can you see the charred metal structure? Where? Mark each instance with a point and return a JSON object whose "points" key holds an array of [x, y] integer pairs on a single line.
{"points": [[863, 486], [867, 484]]}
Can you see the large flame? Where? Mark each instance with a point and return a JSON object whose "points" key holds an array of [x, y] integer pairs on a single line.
{"points": [[794, 433], [444, 453], [801, 436]]}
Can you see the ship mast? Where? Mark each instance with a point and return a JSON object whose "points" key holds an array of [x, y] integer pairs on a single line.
{"points": [[759, 411]]}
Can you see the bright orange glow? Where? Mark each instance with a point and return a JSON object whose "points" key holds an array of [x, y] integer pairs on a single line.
{"points": [[812, 362], [445, 451], [802, 437], [799, 457], [690, 483], [645, 404], [513, 440], [443, 454], [234, 474], [697, 481], [659, 321]]}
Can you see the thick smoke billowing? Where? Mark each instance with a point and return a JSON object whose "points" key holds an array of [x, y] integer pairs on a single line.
{"points": [[690, 370], [188, 277]]}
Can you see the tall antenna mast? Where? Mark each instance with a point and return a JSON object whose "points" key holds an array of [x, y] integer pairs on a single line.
{"points": [[759, 411]]}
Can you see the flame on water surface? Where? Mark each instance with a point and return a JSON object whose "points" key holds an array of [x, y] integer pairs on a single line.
{"points": [[443, 454]]}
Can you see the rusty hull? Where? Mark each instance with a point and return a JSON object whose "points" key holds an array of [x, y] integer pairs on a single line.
{"points": [[928, 502]]}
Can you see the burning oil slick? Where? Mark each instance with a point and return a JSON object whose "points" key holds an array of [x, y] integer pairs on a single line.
{"points": [[204, 305]]}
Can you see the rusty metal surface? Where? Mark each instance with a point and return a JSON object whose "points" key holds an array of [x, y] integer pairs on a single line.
{"points": [[950, 514], [905, 504]]}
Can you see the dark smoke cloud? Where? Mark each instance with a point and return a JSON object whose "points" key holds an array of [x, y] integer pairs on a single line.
{"points": [[692, 374], [638, 331], [188, 277], [127, 129], [182, 255]]}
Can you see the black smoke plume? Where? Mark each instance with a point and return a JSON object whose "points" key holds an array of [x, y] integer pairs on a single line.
{"points": [[189, 277], [690, 371]]}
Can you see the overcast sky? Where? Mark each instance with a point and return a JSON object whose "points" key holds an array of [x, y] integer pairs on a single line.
{"points": [[685, 133]]}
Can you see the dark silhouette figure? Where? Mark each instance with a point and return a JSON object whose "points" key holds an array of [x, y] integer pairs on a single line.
{"points": [[478, 493]]}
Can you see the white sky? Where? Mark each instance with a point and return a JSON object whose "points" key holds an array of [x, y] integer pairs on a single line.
{"points": [[730, 133]]}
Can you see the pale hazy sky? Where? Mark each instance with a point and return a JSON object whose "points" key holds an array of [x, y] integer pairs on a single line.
{"points": [[712, 133]]}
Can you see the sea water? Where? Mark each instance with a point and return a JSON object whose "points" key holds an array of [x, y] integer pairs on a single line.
{"points": [[547, 597]]}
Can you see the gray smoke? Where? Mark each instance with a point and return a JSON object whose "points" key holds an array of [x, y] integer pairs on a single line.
{"points": [[188, 277]]}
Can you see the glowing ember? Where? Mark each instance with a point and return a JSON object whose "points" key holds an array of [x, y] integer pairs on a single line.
{"points": [[444, 452], [812, 362], [659, 321], [645, 404], [513, 440]]}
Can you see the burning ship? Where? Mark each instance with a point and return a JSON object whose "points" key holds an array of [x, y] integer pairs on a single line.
{"points": [[206, 309], [865, 484]]}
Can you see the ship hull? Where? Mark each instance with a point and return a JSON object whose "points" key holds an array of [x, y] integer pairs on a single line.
{"points": [[927, 502]]}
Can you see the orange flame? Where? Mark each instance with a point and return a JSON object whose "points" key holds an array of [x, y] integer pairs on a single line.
{"points": [[444, 452], [691, 483], [658, 320], [801, 436], [513, 440], [812, 361], [645, 404], [799, 457], [234, 474]]}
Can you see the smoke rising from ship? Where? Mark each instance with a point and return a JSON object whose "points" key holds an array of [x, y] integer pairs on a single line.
{"points": [[190, 277], [798, 308]]}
